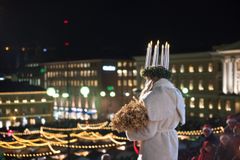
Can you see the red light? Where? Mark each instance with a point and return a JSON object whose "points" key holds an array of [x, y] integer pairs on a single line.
{"points": [[66, 43], [10, 133], [65, 21]]}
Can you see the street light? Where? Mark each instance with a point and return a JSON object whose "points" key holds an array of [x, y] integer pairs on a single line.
{"points": [[65, 95], [185, 90], [102, 93], [84, 91], [51, 91]]}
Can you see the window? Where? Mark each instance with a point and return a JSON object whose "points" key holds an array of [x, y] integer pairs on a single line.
{"points": [[210, 105], [124, 73], [201, 115], [191, 69], [228, 106], [200, 69], [135, 82], [119, 64], [219, 105], [201, 103], [119, 72], [191, 114], [124, 82], [119, 83], [210, 115], [210, 67], [191, 85], [134, 72], [182, 68], [210, 87], [130, 84], [8, 111], [181, 85], [192, 102], [200, 85], [174, 69]]}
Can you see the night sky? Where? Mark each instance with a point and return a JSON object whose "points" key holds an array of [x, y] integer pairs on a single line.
{"points": [[99, 29]]}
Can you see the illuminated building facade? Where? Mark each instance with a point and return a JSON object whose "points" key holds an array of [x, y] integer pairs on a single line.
{"points": [[209, 81], [21, 105], [110, 84]]}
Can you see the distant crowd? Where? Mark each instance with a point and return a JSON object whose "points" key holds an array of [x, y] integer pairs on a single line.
{"points": [[221, 147]]}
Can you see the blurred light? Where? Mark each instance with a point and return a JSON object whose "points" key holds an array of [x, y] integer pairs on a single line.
{"points": [[56, 95], [109, 68], [66, 43], [112, 94], [102, 94], [7, 48], [65, 95], [51, 91], [65, 21], [84, 91], [9, 133], [127, 94], [185, 90], [44, 49], [23, 49], [110, 88], [43, 121], [2, 78]]}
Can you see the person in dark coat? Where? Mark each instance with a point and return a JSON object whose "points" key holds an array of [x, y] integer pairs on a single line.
{"points": [[225, 149], [231, 122], [209, 145]]}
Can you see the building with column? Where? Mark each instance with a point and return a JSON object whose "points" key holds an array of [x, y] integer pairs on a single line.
{"points": [[209, 80]]}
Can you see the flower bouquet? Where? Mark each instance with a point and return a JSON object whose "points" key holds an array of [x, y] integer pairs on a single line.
{"points": [[131, 116]]}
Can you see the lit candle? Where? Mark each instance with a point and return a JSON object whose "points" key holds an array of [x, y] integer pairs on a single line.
{"points": [[148, 55], [162, 55], [155, 55]]}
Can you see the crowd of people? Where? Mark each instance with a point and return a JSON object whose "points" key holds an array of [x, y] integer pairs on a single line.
{"points": [[225, 146]]}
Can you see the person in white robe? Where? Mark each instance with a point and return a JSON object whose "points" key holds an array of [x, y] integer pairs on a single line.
{"points": [[166, 109]]}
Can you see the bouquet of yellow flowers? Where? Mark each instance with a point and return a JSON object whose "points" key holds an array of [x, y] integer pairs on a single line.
{"points": [[131, 116]]}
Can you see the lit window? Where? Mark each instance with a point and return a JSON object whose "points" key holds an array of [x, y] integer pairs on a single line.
{"points": [[135, 82], [124, 73], [228, 105], [43, 100], [124, 64], [15, 110], [1, 124], [119, 72], [130, 64], [200, 68], [210, 106], [191, 69], [182, 68], [119, 64], [210, 87], [192, 104], [130, 83], [210, 67], [210, 115], [174, 69], [124, 82], [201, 115], [201, 103], [181, 85], [191, 85], [8, 101], [119, 83], [95, 83], [16, 101], [191, 114], [134, 72], [219, 105], [8, 111], [0, 101], [200, 85]]}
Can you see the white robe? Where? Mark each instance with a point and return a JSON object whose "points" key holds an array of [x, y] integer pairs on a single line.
{"points": [[166, 108]]}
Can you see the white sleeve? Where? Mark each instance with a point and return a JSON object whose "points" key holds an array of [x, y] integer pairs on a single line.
{"points": [[143, 134]]}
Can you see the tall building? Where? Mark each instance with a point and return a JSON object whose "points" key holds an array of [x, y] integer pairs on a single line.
{"points": [[110, 84], [209, 81]]}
